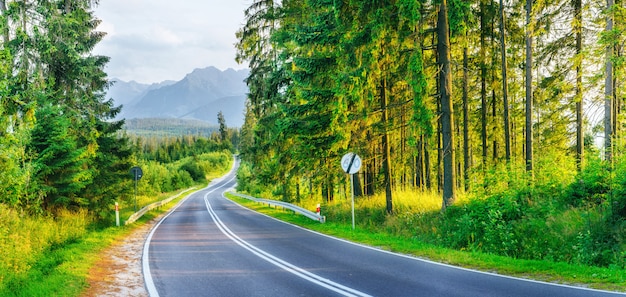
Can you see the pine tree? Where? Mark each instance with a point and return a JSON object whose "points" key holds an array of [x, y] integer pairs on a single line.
{"points": [[223, 129]]}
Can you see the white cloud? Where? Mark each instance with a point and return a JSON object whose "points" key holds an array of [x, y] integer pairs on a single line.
{"points": [[155, 40], [164, 36]]}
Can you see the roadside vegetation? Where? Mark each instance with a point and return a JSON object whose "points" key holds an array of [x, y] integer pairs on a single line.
{"points": [[472, 137], [395, 234], [562, 228], [50, 253]]}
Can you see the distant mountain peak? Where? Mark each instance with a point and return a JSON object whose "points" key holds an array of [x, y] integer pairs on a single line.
{"points": [[200, 95]]}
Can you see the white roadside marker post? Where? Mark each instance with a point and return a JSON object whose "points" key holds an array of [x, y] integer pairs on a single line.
{"points": [[117, 214]]}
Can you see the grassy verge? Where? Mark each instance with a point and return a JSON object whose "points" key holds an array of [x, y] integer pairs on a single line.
{"points": [[613, 279]]}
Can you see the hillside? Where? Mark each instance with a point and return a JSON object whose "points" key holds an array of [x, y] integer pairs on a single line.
{"points": [[169, 127]]}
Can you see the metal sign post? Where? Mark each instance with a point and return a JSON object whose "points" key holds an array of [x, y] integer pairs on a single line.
{"points": [[351, 164]]}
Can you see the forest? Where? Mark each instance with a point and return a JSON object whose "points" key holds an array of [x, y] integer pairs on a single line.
{"points": [[64, 160], [510, 112]]}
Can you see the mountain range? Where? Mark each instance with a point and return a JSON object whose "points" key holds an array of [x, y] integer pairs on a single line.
{"points": [[200, 95]]}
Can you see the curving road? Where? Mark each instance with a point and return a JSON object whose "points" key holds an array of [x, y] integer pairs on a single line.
{"points": [[210, 246]]}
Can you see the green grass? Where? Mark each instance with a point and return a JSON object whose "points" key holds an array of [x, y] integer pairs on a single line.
{"points": [[62, 271], [600, 278]]}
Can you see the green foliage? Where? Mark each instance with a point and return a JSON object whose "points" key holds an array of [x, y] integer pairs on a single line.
{"points": [[246, 182], [485, 225], [592, 186], [194, 170], [461, 17], [320, 70], [111, 164], [158, 128], [172, 149], [167, 177], [60, 164], [14, 171], [509, 217]]}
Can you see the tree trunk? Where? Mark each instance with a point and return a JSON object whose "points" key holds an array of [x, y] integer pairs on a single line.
{"points": [[298, 194], [580, 136], [466, 153], [505, 86], [403, 162], [420, 176], [369, 179], [529, 87], [494, 115], [608, 92], [386, 150], [483, 85], [447, 110], [358, 189], [427, 169], [439, 150]]}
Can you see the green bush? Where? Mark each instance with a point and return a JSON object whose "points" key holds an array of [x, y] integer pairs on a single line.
{"points": [[245, 179], [195, 172], [591, 186]]}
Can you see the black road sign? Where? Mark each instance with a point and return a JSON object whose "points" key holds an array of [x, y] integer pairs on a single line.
{"points": [[136, 173]]}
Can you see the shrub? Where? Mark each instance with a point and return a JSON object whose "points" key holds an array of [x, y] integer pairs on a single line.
{"points": [[591, 186], [195, 172]]}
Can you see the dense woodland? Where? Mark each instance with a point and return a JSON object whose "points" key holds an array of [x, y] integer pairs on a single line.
{"points": [[514, 106], [59, 147]]}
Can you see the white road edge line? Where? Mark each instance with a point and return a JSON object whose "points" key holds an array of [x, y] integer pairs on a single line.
{"points": [[300, 272], [145, 258]]}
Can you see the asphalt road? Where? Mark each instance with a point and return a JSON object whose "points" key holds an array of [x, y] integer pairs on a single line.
{"points": [[209, 246]]}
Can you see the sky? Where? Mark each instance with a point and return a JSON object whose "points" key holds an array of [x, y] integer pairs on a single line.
{"points": [[151, 41]]}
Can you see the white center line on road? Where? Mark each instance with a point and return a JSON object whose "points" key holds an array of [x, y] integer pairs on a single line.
{"points": [[311, 277]]}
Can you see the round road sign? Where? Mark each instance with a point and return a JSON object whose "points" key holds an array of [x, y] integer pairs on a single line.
{"points": [[136, 173], [351, 163]]}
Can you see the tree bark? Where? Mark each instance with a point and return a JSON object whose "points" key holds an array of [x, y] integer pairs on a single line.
{"points": [[608, 92], [529, 87], [494, 116], [466, 152], [505, 85], [483, 84], [580, 137], [447, 110], [386, 151]]}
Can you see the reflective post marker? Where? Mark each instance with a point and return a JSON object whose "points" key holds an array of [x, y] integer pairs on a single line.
{"points": [[117, 214]]}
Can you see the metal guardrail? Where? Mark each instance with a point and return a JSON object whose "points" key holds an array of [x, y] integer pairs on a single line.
{"points": [[305, 212], [134, 217]]}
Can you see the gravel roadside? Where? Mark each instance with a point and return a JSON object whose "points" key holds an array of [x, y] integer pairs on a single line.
{"points": [[118, 272]]}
